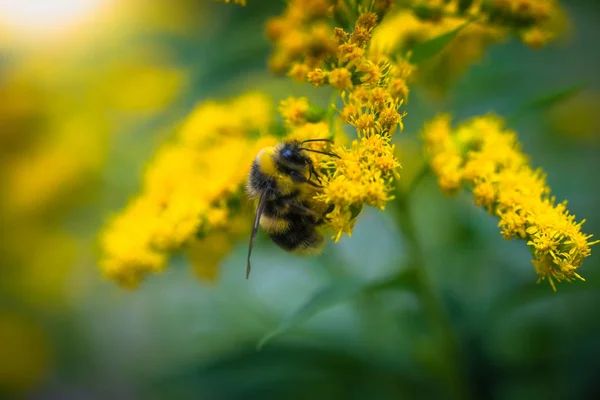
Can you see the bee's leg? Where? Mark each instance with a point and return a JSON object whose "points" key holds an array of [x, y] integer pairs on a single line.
{"points": [[311, 183], [300, 209], [323, 218], [313, 171], [298, 177]]}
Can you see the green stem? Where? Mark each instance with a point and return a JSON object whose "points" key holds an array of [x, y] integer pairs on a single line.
{"points": [[453, 365], [423, 172]]}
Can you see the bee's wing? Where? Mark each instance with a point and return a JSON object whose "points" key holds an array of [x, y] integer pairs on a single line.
{"points": [[259, 210]]}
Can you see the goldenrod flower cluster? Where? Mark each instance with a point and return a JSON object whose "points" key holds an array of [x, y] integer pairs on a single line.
{"points": [[481, 154], [363, 174], [192, 190], [189, 189], [372, 88]]}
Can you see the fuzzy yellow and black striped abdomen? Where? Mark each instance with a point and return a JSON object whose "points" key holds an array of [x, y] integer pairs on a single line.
{"points": [[301, 237]]}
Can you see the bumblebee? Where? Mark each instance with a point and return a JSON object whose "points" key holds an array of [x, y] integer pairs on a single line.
{"points": [[281, 178]]}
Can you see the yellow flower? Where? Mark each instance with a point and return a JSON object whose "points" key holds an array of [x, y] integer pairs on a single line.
{"points": [[340, 78], [317, 77], [481, 154], [362, 175]]}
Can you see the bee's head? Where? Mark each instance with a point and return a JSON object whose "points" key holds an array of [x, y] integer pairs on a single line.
{"points": [[291, 155]]}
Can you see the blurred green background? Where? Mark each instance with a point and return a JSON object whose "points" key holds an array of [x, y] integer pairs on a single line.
{"points": [[89, 89]]}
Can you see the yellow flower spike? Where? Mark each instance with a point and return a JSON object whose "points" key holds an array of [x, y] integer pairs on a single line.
{"points": [[363, 175], [481, 153], [187, 187], [372, 89]]}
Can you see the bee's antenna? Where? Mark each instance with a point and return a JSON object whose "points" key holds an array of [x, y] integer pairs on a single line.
{"points": [[259, 210], [320, 152], [316, 140]]}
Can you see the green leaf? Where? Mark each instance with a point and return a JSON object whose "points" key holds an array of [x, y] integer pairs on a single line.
{"points": [[548, 101], [355, 211], [430, 48], [315, 113], [326, 297], [337, 293], [423, 172]]}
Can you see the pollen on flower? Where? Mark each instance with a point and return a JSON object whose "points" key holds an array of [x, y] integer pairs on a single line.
{"points": [[482, 154]]}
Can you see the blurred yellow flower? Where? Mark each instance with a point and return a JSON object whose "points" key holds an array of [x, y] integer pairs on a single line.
{"points": [[42, 176], [141, 86], [480, 153], [293, 110]]}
